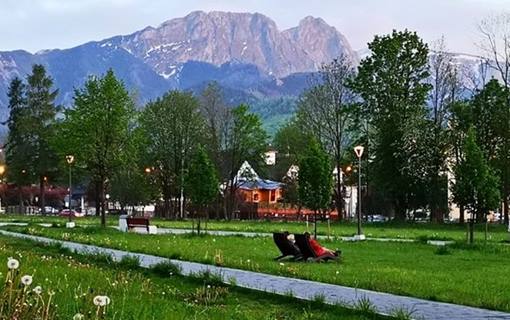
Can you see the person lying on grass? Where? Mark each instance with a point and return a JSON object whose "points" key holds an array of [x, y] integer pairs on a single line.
{"points": [[320, 250]]}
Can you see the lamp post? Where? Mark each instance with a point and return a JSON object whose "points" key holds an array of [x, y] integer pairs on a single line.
{"points": [[348, 171], [359, 152], [70, 160], [2, 171]]}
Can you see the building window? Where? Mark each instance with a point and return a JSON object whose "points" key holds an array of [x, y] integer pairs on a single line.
{"points": [[272, 195], [256, 197]]}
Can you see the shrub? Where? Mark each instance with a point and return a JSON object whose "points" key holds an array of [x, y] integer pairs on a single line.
{"points": [[129, 262], [364, 305], [207, 295], [210, 278], [402, 313], [166, 269], [442, 250]]}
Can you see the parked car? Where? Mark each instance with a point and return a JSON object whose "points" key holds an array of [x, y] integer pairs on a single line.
{"points": [[376, 218], [73, 213], [49, 210]]}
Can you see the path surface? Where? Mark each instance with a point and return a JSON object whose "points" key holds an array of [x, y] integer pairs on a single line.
{"points": [[384, 303], [179, 231], [266, 234]]}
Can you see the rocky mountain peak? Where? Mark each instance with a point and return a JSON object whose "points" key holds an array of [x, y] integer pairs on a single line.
{"points": [[219, 37]]}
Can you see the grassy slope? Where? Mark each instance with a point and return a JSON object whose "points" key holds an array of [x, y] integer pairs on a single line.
{"points": [[475, 276], [142, 295]]}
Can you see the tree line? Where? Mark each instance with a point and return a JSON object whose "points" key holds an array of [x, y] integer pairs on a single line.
{"points": [[428, 125], [175, 148]]}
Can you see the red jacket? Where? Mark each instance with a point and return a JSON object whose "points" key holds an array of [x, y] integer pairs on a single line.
{"points": [[317, 248]]}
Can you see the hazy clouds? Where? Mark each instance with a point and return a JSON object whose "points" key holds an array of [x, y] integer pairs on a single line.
{"points": [[41, 24]]}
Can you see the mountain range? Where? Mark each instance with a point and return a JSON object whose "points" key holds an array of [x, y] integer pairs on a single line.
{"points": [[246, 53]]}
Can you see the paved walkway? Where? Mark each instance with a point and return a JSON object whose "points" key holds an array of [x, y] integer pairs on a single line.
{"points": [[241, 233], [303, 289], [265, 234]]}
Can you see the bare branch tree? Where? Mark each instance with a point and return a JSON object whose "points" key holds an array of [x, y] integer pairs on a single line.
{"points": [[326, 112], [495, 44]]}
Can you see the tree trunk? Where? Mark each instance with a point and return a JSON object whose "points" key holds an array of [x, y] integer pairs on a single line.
{"points": [[98, 197], [461, 214], [505, 209], [103, 202], [400, 212], [42, 195], [21, 204], [339, 201]]}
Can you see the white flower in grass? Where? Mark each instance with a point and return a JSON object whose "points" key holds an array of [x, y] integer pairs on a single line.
{"points": [[78, 316], [12, 264], [37, 290], [26, 280], [97, 300], [101, 301]]}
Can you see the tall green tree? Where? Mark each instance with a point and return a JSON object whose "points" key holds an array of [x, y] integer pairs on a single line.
{"points": [[18, 149], [131, 184], [202, 183], [30, 154], [392, 83], [173, 127], [446, 91], [476, 185], [491, 120], [290, 140], [97, 131], [315, 181], [328, 111], [245, 140], [459, 124]]}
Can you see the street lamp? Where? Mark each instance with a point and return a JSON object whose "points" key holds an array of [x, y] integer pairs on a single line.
{"points": [[70, 160], [359, 152], [2, 171]]}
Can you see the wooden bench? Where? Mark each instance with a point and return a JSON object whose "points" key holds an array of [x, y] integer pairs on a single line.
{"points": [[133, 222]]}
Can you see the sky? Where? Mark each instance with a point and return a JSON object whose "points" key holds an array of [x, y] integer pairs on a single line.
{"points": [[34, 25]]}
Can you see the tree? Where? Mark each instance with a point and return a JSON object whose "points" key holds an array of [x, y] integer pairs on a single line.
{"points": [[42, 112], [315, 180], [491, 120], [459, 124], [245, 140], [327, 111], [97, 131], [495, 32], [215, 113], [173, 127], [130, 184], [392, 84], [445, 92], [32, 124], [202, 183], [475, 185], [17, 147], [290, 140]]}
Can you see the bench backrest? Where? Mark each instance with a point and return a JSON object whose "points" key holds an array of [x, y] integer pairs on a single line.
{"points": [[137, 221], [284, 244], [304, 245]]}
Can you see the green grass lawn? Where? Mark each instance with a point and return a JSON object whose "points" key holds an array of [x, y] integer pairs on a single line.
{"points": [[138, 294], [497, 232], [476, 276]]}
